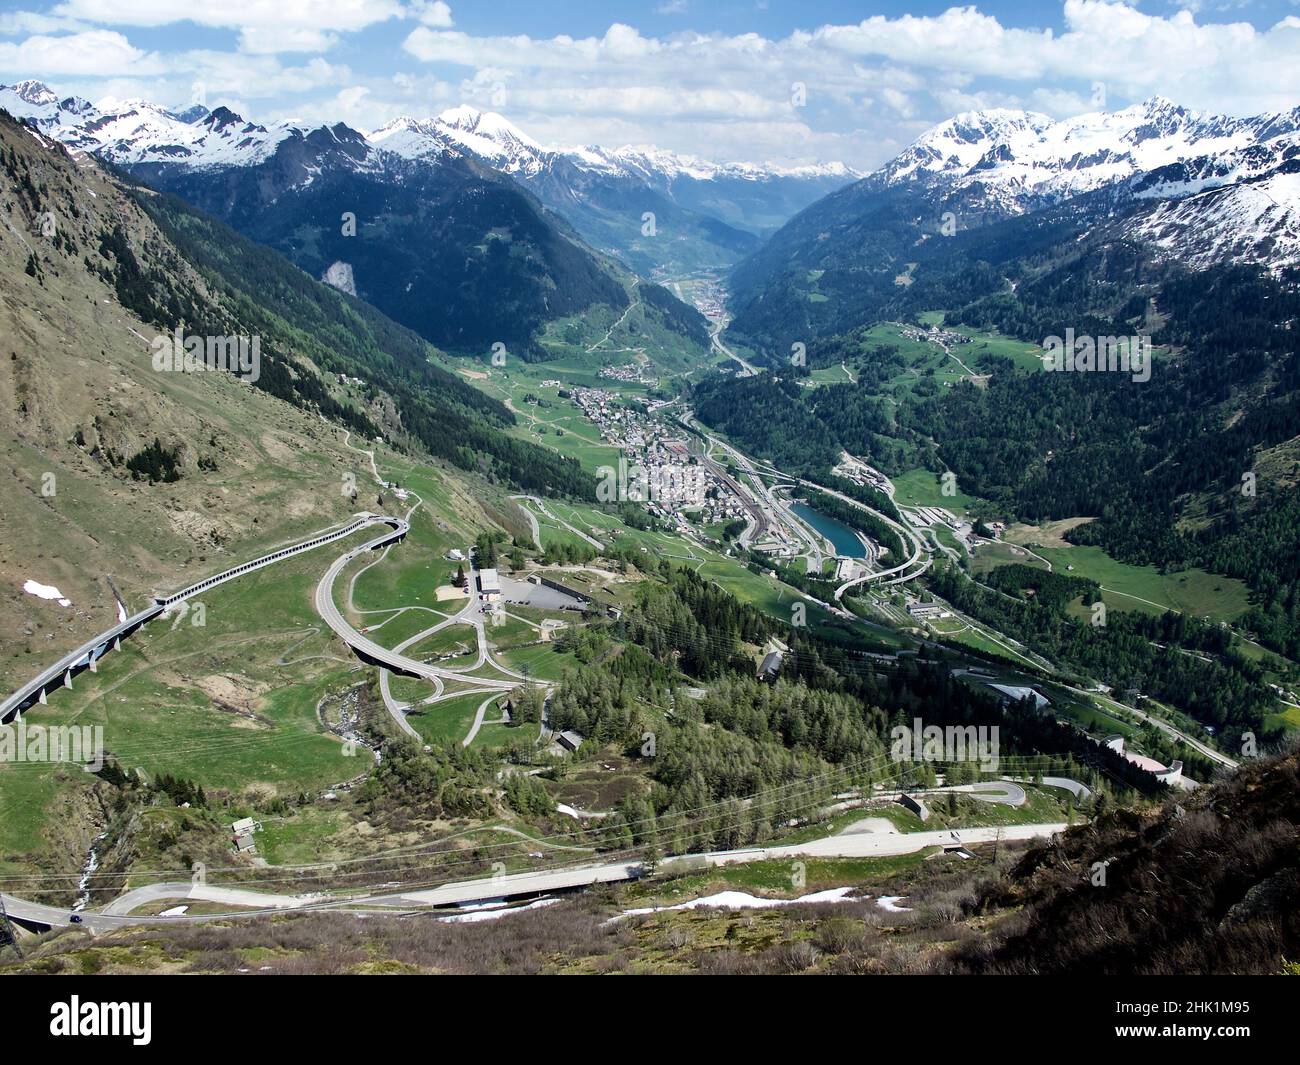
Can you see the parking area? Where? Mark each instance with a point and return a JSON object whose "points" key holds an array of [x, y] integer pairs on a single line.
{"points": [[526, 593]]}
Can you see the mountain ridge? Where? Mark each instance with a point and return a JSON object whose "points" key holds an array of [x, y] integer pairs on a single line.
{"points": [[1189, 188], [705, 215]]}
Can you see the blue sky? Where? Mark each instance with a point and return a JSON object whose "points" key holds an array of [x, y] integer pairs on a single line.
{"points": [[806, 81]]}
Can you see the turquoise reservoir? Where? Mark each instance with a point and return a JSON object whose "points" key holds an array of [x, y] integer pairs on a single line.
{"points": [[845, 539]]}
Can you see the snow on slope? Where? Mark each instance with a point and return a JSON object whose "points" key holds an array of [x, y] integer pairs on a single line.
{"points": [[1242, 206], [1220, 188], [134, 131], [63, 120], [128, 132], [1017, 161], [484, 135], [650, 162], [503, 146]]}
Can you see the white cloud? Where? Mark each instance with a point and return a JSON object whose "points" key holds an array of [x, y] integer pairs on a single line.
{"points": [[871, 86], [260, 40], [339, 15], [215, 78], [94, 52], [436, 14], [14, 22], [894, 75], [1137, 54], [256, 76], [899, 101]]}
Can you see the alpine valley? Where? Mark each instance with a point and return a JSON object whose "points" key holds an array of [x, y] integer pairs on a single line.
{"points": [[618, 561]]}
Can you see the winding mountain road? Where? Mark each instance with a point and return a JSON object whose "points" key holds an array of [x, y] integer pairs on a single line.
{"points": [[857, 844]]}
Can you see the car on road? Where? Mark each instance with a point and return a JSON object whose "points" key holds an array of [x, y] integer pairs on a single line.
{"points": [[74, 918]]}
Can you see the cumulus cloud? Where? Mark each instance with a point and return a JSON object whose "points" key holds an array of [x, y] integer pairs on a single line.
{"points": [[258, 77], [94, 52], [869, 87], [436, 13], [895, 75], [1136, 53], [12, 22]]}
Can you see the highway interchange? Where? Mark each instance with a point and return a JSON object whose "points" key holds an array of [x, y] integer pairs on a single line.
{"points": [[762, 495]]}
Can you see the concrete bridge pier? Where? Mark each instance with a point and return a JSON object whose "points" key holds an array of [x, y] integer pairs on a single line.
{"points": [[67, 679]]}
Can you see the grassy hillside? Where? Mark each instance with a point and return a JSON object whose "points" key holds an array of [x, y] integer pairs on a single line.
{"points": [[93, 272], [119, 477]]}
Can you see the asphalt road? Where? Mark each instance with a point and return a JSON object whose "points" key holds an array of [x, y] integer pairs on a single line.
{"points": [[844, 845]]}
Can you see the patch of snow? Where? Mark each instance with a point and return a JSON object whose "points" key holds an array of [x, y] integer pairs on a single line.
{"points": [[45, 591], [495, 912], [740, 900]]}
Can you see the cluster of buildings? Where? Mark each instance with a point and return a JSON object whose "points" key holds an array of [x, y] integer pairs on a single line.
{"points": [[934, 335], [861, 473], [928, 516], [927, 611], [632, 372], [621, 425], [962, 530], [710, 300], [658, 468]]}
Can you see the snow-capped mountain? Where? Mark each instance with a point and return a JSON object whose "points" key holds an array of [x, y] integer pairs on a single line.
{"points": [[713, 214], [1242, 206], [1013, 161], [1218, 187], [494, 140], [658, 165], [62, 120], [1187, 187], [136, 132], [484, 136], [133, 132]]}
